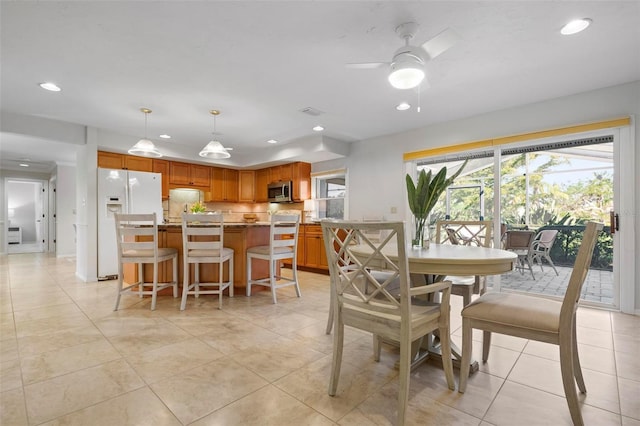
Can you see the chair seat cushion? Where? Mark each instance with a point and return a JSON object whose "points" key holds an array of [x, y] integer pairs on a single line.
{"points": [[264, 250], [210, 253], [461, 280], [149, 252], [527, 312]]}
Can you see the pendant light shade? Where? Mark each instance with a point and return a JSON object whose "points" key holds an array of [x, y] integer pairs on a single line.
{"points": [[145, 147], [214, 149]]}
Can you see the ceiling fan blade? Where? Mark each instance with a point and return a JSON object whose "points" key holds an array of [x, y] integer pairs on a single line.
{"points": [[367, 65], [441, 42]]}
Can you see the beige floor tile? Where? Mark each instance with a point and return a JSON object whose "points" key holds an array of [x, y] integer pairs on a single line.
{"points": [[627, 343], [36, 344], [46, 326], [481, 389], [171, 360], [355, 417], [10, 374], [7, 326], [199, 392], [139, 407], [240, 336], [629, 398], [62, 361], [47, 312], [628, 421], [500, 361], [310, 385], [591, 357], [12, 409], [65, 394], [9, 349], [625, 323], [147, 334], [594, 337], [273, 361], [257, 409], [382, 408], [628, 365], [594, 318]]}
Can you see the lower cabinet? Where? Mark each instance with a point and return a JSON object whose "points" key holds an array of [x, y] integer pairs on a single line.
{"points": [[311, 252]]}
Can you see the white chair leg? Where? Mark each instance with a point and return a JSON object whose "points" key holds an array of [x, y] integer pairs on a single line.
{"points": [[403, 377], [294, 267], [231, 276], [467, 345], [220, 284], [338, 340], [154, 293], [175, 277], [249, 276], [272, 280], [185, 286], [486, 345], [330, 318], [447, 362], [577, 369]]}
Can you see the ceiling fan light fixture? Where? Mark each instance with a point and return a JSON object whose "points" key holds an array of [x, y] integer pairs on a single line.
{"points": [[145, 147], [214, 149], [407, 69]]}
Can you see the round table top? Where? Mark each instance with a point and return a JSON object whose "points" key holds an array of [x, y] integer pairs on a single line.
{"points": [[447, 259]]}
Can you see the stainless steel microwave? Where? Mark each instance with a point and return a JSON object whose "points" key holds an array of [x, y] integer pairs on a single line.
{"points": [[280, 192]]}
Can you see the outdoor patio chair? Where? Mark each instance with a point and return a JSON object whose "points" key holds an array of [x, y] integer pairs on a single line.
{"points": [[541, 247], [521, 243]]}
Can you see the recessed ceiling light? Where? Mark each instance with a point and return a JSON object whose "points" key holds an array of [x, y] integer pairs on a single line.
{"points": [[165, 136], [272, 141], [318, 129], [403, 106], [50, 86], [24, 165], [575, 26]]}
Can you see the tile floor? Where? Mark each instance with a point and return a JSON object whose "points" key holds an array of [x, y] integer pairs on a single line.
{"points": [[68, 359]]}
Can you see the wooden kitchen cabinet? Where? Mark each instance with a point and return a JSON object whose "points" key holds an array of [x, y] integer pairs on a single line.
{"points": [[113, 160], [315, 255], [262, 180], [224, 185], [189, 175], [162, 166], [301, 178], [247, 184], [282, 173]]}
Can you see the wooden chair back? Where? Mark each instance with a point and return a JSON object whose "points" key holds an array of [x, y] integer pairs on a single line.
{"points": [[462, 232]]}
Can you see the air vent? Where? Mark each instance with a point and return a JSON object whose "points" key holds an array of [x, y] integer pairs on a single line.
{"points": [[311, 111]]}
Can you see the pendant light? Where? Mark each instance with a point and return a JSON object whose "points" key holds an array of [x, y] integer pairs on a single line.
{"points": [[145, 147], [214, 149]]}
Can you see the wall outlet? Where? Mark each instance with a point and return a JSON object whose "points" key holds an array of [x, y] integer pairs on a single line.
{"points": [[394, 210]]}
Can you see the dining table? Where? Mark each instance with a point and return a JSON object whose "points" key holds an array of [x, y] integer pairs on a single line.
{"points": [[434, 264]]}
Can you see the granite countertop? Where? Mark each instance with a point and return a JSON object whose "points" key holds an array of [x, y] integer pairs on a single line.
{"points": [[235, 224]]}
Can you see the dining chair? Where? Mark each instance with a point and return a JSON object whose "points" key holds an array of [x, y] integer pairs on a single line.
{"points": [[137, 242], [387, 311], [469, 233], [283, 244], [203, 242], [541, 247], [534, 318], [520, 242]]}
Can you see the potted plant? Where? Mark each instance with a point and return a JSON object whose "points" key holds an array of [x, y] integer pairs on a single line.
{"points": [[198, 207], [423, 197]]}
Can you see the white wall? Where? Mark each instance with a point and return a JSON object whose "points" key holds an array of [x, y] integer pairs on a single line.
{"points": [[376, 169], [65, 210]]}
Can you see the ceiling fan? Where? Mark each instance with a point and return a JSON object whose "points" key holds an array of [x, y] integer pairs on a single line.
{"points": [[406, 69]]}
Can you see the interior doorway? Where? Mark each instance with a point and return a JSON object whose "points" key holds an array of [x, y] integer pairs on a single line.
{"points": [[27, 212]]}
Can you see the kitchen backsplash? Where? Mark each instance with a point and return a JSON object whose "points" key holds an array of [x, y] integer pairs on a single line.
{"points": [[233, 212]]}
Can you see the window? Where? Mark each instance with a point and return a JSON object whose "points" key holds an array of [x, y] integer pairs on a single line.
{"points": [[329, 191]]}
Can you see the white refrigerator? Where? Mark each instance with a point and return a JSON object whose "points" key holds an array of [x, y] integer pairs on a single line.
{"points": [[122, 191]]}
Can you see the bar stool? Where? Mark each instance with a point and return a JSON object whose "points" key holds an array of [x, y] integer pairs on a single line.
{"points": [[137, 242], [203, 242], [283, 244]]}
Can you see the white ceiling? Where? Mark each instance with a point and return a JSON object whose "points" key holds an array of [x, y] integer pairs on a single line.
{"points": [[261, 62]]}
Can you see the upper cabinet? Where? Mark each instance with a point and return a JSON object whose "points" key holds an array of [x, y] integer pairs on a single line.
{"points": [[112, 160], [263, 177], [301, 177], [247, 184], [224, 185], [282, 173], [189, 175]]}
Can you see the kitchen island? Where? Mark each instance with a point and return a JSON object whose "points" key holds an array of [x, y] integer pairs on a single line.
{"points": [[237, 236]]}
